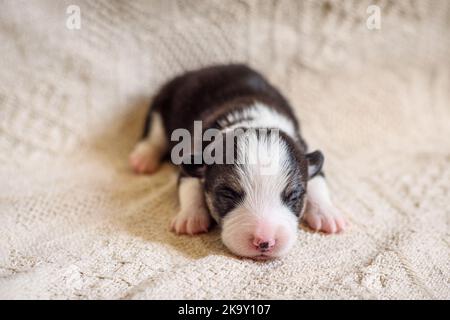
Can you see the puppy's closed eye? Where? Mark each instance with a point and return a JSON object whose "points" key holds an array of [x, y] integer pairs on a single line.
{"points": [[292, 196], [228, 193], [226, 198]]}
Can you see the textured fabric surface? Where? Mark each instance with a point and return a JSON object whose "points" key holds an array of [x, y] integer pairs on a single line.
{"points": [[76, 223]]}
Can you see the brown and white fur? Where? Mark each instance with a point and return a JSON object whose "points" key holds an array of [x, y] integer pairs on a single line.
{"points": [[258, 213]]}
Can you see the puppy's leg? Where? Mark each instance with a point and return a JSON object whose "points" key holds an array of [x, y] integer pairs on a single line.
{"points": [[147, 153], [321, 214], [193, 216]]}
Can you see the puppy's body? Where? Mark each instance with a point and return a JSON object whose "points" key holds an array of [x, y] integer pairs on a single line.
{"points": [[211, 94], [258, 212]]}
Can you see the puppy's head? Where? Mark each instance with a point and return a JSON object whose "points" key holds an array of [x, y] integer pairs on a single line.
{"points": [[257, 197]]}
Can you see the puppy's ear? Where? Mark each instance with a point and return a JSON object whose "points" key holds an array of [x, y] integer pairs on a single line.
{"points": [[193, 166], [315, 162]]}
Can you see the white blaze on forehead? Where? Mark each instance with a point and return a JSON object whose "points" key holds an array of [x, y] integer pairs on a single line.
{"points": [[259, 115], [263, 159], [263, 168]]}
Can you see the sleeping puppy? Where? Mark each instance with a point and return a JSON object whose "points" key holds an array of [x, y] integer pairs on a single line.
{"points": [[262, 179]]}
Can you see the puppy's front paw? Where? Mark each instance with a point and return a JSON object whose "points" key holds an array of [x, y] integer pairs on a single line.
{"points": [[191, 222], [325, 218], [144, 159]]}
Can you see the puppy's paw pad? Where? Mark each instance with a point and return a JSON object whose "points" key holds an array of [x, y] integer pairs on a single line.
{"points": [[190, 223], [143, 158], [327, 219]]}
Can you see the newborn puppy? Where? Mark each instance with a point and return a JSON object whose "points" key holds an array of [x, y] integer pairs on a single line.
{"points": [[265, 179]]}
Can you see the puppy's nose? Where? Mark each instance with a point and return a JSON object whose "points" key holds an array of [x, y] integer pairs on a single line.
{"points": [[263, 244]]}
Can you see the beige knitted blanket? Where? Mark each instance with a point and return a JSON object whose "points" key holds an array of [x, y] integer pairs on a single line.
{"points": [[76, 223]]}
